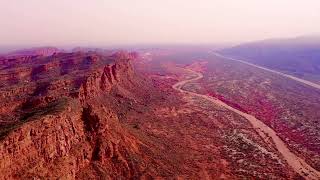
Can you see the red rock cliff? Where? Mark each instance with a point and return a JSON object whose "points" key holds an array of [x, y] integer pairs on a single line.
{"points": [[58, 120]]}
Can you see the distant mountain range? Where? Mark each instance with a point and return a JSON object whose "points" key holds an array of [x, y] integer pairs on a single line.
{"points": [[42, 51], [297, 56]]}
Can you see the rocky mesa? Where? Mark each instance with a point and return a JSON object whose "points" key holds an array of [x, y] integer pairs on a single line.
{"points": [[60, 119]]}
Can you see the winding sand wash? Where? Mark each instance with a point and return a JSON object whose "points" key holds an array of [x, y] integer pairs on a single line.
{"points": [[309, 83], [298, 164]]}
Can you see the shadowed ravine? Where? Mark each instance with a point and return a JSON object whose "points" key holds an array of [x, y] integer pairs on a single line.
{"points": [[298, 164]]}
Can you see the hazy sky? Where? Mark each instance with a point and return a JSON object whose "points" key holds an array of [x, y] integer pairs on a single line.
{"points": [[112, 22]]}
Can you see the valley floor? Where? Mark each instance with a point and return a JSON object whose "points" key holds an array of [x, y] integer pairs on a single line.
{"points": [[266, 133], [240, 121]]}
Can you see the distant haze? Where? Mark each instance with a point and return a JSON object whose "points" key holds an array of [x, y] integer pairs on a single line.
{"points": [[123, 22]]}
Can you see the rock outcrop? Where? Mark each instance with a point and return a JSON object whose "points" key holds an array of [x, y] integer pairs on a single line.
{"points": [[58, 121]]}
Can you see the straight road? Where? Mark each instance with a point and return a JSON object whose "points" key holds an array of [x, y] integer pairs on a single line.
{"points": [[309, 83]]}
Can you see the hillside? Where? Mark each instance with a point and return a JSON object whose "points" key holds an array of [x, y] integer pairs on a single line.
{"points": [[297, 56], [60, 115]]}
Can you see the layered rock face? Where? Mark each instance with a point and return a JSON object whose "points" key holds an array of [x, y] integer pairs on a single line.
{"points": [[59, 117]]}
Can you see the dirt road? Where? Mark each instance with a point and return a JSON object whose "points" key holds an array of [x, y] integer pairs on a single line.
{"points": [[298, 164]]}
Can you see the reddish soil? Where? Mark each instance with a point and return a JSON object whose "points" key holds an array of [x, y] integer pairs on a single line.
{"points": [[106, 115]]}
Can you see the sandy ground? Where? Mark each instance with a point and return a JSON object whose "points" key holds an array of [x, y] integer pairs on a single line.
{"points": [[298, 164]]}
